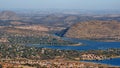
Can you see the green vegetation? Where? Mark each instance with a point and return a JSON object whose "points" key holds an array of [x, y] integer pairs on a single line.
{"points": [[26, 36], [42, 40], [13, 51]]}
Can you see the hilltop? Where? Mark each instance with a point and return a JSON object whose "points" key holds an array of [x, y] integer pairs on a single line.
{"points": [[9, 15], [95, 30]]}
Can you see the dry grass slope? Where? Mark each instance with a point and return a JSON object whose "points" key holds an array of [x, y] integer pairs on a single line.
{"points": [[96, 30]]}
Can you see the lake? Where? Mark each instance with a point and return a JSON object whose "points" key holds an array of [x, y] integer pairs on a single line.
{"points": [[114, 61], [89, 45]]}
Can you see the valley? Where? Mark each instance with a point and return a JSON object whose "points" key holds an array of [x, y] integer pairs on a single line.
{"points": [[52, 39]]}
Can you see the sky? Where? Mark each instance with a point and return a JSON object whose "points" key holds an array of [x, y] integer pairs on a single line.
{"points": [[60, 4]]}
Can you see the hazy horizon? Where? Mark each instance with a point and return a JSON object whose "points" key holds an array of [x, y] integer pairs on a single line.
{"points": [[61, 4]]}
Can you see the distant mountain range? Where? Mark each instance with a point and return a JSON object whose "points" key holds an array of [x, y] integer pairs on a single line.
{"points": [[94, 27]]}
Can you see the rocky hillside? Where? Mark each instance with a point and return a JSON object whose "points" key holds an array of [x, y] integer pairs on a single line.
{"points": [[95, 30]]}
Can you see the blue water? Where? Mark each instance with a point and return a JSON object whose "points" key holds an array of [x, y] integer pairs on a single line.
{"points": [[114, 61], [90, 45]]}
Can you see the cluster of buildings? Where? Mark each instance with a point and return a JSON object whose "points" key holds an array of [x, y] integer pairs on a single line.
{"points": [[92, 57], [9, 65], [56, 63]]}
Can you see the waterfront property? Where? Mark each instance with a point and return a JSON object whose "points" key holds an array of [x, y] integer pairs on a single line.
{"points": [[56, 63]]}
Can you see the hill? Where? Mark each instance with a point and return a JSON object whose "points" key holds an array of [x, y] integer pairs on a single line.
{"points": [[8, 15], [95, 30], [32, 34]]}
